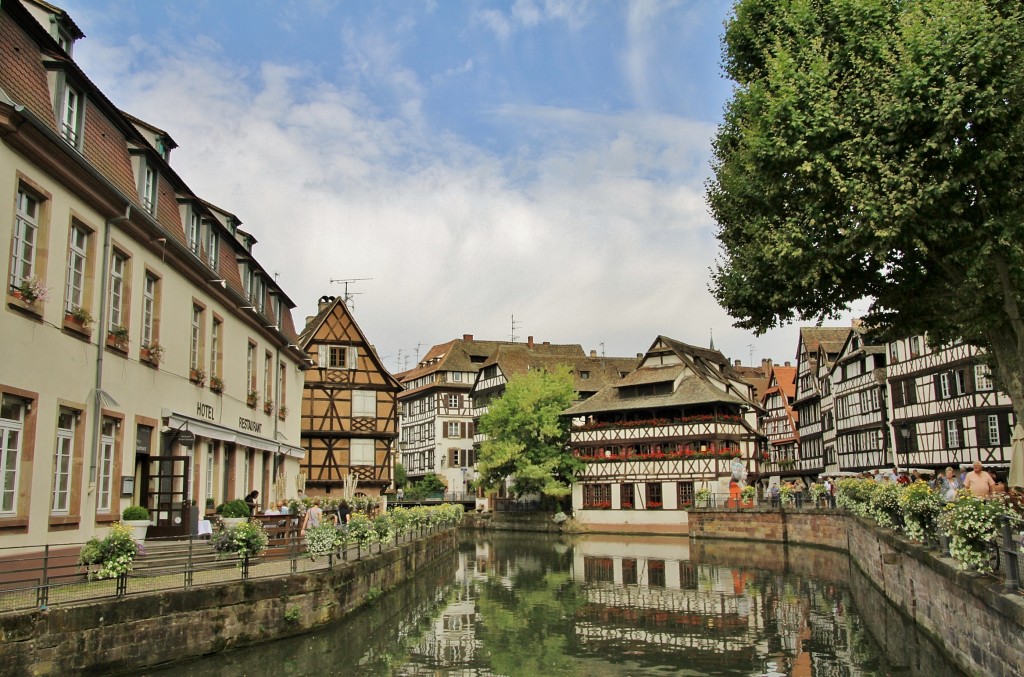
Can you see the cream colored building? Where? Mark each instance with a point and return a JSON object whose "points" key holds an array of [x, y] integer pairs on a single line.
{"points": [[184, 383]]}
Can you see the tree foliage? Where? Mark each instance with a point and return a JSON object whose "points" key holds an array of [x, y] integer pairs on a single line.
{"points": [[527, 437], [875, 149]]}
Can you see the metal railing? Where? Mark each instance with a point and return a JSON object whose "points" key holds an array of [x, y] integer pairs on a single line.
{"points": [[44, 576]]}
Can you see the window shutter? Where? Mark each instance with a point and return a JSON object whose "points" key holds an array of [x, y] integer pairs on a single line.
{"points": [[444, 429], [897, 393], [1004, 429], [938, 387], [472, 428], [321, 356], [911, 386], [981, 426], [352, 357], [969, 384], [960, 428], [462, 430]]}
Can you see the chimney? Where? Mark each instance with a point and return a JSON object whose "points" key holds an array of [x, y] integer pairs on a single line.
{"points": [[593, 353], [546, 343], [788, 364], [639, 355], [324, 302], [467, 337], [766, 364], [309, 318], [529, 342], [737, 363]]}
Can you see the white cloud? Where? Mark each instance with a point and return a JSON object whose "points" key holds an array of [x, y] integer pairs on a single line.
{"points": [[596, 232]]}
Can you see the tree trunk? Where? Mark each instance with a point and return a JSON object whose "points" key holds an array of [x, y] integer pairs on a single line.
{"points": [[1008, 357]]}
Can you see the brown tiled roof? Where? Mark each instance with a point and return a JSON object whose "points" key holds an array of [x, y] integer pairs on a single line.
{"points": [[454, 355], [829, 338], [692, 390], [786, 378]]}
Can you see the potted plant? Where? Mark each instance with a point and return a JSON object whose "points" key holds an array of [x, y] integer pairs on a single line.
{"points": [[117, 337], [246, 540], [80, 319], [217, 384], [153, 353], [210, 505], [32, 291], [282, 412], [136, 517], [268, 406], [114, 554], [252, 398], [748, 493], [197, 376], [703, 497], [233, 513]]}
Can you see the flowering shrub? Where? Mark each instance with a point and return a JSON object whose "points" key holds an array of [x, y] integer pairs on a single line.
{"points": [[322, 539], [560, 517], [703, 496], [246, 540], [748, 492], [360, 530], [818, 491], [921, 507], [115, 554], [786, 493], [884, 505], [972, 525], [854, 495]]}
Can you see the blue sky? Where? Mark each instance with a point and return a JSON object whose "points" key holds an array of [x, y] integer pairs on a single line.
{"points": [[543, 159]]}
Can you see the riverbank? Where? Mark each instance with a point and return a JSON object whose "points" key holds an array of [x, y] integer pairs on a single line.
{"points": [[980, 625], [129, 635]]}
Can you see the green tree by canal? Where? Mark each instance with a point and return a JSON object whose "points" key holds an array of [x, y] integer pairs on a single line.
{"points": [[527, 437]]}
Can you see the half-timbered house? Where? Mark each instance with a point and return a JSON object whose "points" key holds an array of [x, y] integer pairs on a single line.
{"points": [[674, 425], [857, 380], [817, 349], [945, 408], [436, 411], [778, 422], [349, 405]]}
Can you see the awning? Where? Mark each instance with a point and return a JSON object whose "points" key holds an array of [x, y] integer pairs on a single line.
{"points": [[213, 431]]}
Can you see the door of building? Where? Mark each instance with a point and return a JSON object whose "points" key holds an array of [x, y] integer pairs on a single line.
{"points": [[165, 484]]}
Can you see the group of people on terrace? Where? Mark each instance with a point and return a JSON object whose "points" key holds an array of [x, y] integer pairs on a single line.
{"points": [[977, 480]]}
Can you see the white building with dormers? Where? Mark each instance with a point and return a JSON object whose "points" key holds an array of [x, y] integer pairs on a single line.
{"points": [[159, 365]]}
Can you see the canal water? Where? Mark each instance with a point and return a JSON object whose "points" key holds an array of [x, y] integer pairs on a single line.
{"points": [[533, 605]]}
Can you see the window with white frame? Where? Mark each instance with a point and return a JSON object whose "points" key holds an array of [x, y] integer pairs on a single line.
{"points": [[62, 455], [983, 377], [952, 433], [12, 427], [213, 248], [149, 285], [250, 367], [268, 377], [25, 237], [215, 348], [944, 385], [118, 290], [78, 242], [453, 429], [457, 376], [915, 346], [71, 110], [361, 452], [148, 189], [105, 481], [195, 353], [364, 403], [993, 430], [454, 401], [209, 470], [195, 232]]}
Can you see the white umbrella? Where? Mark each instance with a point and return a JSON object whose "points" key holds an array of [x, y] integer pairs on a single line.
{"points": [[1016, 478]]}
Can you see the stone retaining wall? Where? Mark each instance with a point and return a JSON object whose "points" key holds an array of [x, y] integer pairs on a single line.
{"points": [[970, 615], [143, 631]]}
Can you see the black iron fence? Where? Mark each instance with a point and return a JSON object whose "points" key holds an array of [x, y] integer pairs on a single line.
{"points": [[44, 576]]}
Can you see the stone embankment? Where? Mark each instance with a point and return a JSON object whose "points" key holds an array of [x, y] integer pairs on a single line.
{"points": [[141, 631], [972, 616]]}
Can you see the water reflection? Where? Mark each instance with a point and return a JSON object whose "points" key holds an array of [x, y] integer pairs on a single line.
{"points": [[508, 604]]}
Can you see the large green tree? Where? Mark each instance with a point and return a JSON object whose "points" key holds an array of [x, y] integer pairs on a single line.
{"points": [[527, 438], [875, 149]]}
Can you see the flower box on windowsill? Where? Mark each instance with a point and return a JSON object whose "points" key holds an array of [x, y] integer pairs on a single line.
{"points": [[116, 343], [197, 376], [15, 300], [268, 407], [252, 400], [80, 327], [216, 385]]}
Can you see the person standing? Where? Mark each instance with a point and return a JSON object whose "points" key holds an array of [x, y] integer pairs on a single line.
{"points": [[979, 482], [251, 501], [949, 485], [314, 516], [344, 513]]}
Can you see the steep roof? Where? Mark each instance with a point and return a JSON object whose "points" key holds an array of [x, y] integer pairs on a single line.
{"points": [[519, 358], [831, 339]]}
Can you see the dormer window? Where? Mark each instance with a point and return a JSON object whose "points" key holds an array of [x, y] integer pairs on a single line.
{"points": [[213, 248], [195, 230], [71, 116], [149, 179]]}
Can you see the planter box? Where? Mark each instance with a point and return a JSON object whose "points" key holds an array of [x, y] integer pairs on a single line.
{"points": [[139, 528]]}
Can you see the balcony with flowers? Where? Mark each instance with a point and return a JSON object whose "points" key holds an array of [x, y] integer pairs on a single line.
{"points": [[660, 427]]}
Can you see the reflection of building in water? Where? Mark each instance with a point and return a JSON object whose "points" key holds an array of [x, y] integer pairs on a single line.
{"points": [[645, 601]]}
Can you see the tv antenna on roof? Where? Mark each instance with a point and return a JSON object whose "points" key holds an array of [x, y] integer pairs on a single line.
{"points": [[515, 325], [347, 295]]}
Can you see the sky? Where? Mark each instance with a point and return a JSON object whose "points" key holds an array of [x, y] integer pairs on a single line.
{"points": [[534, 167]]}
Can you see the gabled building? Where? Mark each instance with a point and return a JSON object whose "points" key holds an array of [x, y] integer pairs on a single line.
{"points": [[674, 425], [349, 406], [436, 422], [857, 380], [944, 407], [779, 420], [817, 350], [136, 321]]}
